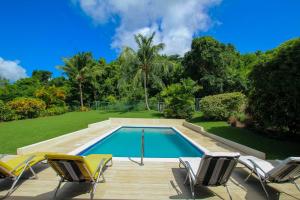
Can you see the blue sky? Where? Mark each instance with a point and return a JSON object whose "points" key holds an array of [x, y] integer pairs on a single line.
{"points": [[37, 34]]}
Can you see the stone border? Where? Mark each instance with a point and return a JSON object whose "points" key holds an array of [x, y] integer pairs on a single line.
{"points": [[139, 121], [240, 147]]}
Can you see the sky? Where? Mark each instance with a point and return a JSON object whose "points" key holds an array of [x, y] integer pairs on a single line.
{"points": [[37, 34]]}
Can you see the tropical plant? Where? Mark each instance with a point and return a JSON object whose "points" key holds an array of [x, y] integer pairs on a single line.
{"points": [[179, 99], [142, 63], [78, 68]]}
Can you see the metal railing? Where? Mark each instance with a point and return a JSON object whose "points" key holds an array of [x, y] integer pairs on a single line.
{"points": [[142, 148]]}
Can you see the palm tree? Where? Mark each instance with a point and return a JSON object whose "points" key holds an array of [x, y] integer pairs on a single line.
{"points": [[144, 61], [78, 68], [94, 74]]}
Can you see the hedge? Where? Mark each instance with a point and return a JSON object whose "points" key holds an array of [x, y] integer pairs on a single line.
{"points": [[222, 106]]}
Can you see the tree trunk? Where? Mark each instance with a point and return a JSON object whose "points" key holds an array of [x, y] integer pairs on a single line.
{"points": [[95, 95], [81, 98], [145, 88]]}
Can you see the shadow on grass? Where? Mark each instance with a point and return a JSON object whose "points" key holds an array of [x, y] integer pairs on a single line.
{"points": [[274, 148]]}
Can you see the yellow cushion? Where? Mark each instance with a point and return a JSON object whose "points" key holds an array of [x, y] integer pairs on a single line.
{"points": [[92, 161], [60, 156], [4, 169], [15, 161]]}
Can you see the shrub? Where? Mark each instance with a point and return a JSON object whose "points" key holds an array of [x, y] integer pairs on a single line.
{"points": [[222, 106], [55, 110], [179, 99], [27, 107], [6, 114], [84, 109], [274, 99], [111, 99]]}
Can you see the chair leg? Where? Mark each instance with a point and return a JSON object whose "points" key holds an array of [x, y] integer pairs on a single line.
{"points": [[33, 172], [297, 186], [94, 185], [264, 187], [57, 188], [262, 182], [227, 189], [12, 188], [246, 179]]}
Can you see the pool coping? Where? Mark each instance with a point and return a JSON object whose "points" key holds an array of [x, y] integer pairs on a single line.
{"points": [[137, 159]]}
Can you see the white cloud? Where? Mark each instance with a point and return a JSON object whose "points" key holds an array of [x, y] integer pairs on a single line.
{"points": [[174, 21], [11, 70]]}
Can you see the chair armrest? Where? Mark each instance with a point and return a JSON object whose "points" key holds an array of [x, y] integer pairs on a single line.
{"points": [[256, 166], [22, 163], [99, 167]]}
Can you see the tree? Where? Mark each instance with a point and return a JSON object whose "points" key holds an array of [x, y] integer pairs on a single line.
{"points": [[42, 75], [214, 65], [274, 98], [94, 75], [78, 68], [143, 61]]}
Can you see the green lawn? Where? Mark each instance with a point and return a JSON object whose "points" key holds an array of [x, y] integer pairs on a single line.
{"points": [[24, 132], [274, 149], [20, 133]]}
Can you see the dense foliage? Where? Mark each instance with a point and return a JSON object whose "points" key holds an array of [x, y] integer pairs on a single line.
{"points": [[222, 106], [179, 99], [140, 78], [27, 107], [216, 66], [275, 96], [6, 113]]}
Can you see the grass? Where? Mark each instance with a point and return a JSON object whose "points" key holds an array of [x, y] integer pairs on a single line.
{"points": [[274, 148], [16, 134], [20, 133]]}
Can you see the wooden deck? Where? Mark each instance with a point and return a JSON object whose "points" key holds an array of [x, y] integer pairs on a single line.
{"points": [[154, 180]]}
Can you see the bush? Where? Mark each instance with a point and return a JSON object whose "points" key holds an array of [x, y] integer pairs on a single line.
{"points": [[84, 109], [274, 99], [55, 110], [222, 106], [179, 99], [27, 107], [6, 114]]}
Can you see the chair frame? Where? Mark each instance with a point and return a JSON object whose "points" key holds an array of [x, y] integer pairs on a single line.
{"points": [[189, 175], [93, 181], [15, 178], [264, 180]]}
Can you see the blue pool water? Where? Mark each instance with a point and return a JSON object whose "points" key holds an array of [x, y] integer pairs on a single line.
{"points": [[159, 143]]}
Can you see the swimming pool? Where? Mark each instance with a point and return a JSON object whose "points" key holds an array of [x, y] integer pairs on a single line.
{"points": [[160, 142]]}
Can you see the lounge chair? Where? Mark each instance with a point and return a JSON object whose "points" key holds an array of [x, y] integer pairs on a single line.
{"points": [[213, 169], [15, 167], [79, 169], [287, 170]]}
